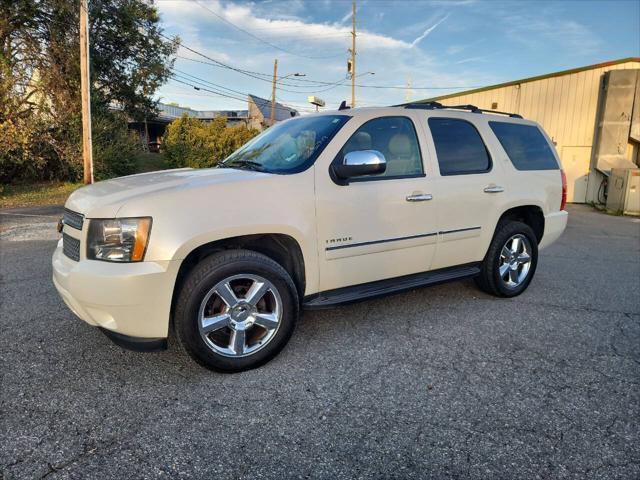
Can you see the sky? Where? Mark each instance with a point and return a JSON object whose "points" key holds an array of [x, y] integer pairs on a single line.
{"points": [[436, 46]]}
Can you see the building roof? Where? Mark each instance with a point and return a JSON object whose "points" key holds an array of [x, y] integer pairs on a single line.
{"points": [[282, 112], [171, 112], [532, 79]]}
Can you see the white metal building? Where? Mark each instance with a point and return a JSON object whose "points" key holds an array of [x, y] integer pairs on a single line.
{"points": [[588, 112]]}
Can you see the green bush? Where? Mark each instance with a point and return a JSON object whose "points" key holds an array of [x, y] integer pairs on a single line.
{"points": [[17, 153], [115, 147], [189, 142], [33, 151]]}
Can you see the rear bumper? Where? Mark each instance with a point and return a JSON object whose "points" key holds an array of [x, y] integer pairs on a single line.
{"points": [[554, 225], [132, 301]]}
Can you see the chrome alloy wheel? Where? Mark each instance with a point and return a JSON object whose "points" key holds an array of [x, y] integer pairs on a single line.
{"points": [[240, 315], [515, 261]]}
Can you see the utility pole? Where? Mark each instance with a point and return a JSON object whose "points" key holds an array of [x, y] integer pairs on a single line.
{"points": [[273, 92], [85, 85], [353, 56], [274, 86]]}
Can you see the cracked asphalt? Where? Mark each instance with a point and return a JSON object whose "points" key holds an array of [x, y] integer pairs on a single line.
{"points": [[443, 382]]}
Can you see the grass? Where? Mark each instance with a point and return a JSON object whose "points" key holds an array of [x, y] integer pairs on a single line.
{"points": [[40, 193], [56, 192]]}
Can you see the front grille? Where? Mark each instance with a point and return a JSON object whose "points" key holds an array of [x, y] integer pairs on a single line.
{"points": [[73, 219], [71, 247]]}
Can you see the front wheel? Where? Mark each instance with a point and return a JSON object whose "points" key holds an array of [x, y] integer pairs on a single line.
{"points": [[236, 310], [511, 260]]}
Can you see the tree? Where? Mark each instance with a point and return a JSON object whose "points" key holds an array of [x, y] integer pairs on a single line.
{"points": [[40, 77], [189, 142]]}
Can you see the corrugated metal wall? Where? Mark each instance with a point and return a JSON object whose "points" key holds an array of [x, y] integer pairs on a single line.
{"points": [[564, 105]]}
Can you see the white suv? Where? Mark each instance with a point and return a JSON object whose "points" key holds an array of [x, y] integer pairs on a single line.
{"points": [[316, 211]]}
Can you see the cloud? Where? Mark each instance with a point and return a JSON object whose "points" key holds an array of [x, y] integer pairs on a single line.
{"points": [[349, 14], [544, 30], [306, 32], [346, 17], [481, 58], [276, 30], [428, 31]]}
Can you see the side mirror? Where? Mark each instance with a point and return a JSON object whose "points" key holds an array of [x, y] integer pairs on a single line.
{"points": [[361, 162]]}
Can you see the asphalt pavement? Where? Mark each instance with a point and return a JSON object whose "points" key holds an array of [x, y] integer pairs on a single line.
{"points": [[442, 382]]}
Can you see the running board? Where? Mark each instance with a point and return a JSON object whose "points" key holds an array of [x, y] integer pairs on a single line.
{"points": [[365, 291]]}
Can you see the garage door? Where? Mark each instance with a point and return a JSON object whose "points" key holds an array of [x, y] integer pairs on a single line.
{"points": [[575, 162]]}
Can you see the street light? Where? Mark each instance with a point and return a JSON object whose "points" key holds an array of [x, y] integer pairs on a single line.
{"points": [[273, 88], [292, 75]]}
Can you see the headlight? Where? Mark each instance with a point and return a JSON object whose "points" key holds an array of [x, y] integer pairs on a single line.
{"points": [[118, 240]]}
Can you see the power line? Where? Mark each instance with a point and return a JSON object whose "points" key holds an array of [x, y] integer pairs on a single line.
{"points": [[231, 96], [256, 75], [200, 81], [201, 84], [258, 38], [318, 83], [217, 63], [267, 77], [193, 77], [335, 85], [260, 76]]}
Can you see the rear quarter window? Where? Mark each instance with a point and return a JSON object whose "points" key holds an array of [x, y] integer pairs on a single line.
{"points": [[525, 145]]}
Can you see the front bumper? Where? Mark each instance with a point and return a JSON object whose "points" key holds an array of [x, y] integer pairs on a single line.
{"points": [[136, 344], [130, 300], [554, 225]]}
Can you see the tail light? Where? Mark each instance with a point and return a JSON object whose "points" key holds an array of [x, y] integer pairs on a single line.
{"points": [[563, 202]]}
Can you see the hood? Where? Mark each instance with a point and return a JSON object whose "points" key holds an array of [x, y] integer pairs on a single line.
{"points": [[104, 199]]}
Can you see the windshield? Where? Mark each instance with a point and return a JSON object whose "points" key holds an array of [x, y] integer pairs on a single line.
{"points": [[287, 147]]}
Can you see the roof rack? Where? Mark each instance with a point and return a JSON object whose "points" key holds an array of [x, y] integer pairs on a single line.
{"points": [[470, 108]]}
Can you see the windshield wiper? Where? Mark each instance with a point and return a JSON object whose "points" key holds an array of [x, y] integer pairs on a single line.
{"points": [[244, 164]]}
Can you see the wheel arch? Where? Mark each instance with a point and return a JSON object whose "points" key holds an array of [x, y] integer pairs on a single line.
{"points": [[280, 247], [531, 215]]}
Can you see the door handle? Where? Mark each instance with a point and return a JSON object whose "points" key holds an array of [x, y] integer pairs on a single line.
{"points": [[494, 189], [419, 197]]}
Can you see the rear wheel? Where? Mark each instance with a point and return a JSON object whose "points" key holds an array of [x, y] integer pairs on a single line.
{"points": [[511, 260], [236, 311]]}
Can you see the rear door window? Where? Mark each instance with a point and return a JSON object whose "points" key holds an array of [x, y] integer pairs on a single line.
{"points": [[459, 147], [525, 145]]}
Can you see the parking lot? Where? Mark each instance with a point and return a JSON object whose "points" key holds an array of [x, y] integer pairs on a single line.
{"points": [[444, 382]]}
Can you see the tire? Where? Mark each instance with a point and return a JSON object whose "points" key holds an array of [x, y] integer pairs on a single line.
{"points": [[241, 327], [497, 260]]}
